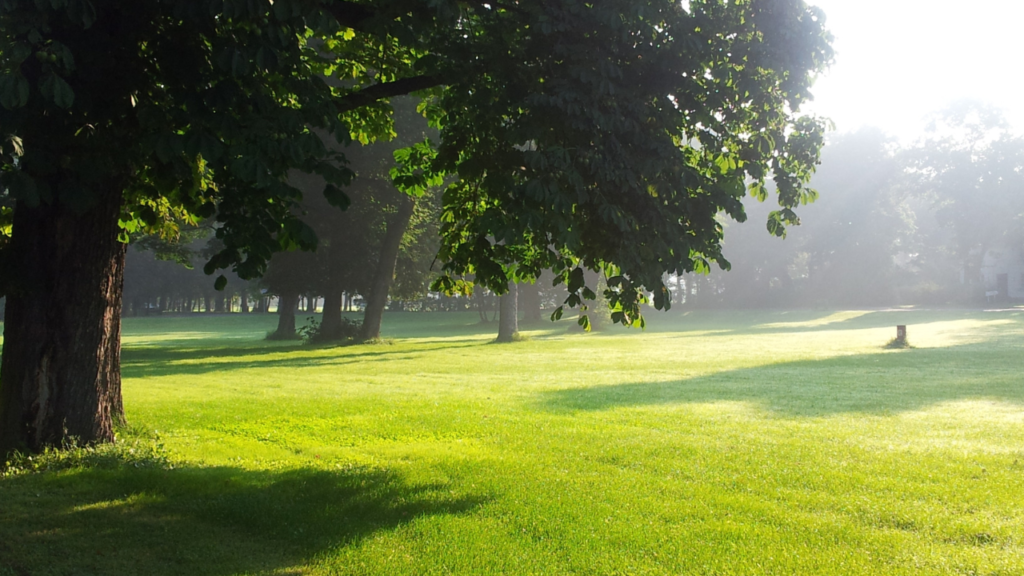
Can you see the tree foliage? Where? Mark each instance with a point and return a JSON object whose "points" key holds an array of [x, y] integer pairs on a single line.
{"points": [[611, 135], [606, 135], [970, 170], [189, 109]]}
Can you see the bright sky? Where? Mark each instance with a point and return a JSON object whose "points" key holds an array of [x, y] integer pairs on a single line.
{"points": [[899, 60]]}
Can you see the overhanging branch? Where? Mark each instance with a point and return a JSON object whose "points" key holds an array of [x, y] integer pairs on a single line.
{"points": [[377, 92]]}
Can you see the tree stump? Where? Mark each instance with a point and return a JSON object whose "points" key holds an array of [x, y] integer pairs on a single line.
{"points": [[901, 334]]}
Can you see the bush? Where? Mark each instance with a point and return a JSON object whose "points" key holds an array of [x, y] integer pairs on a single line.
{"points": [[313, 332]]}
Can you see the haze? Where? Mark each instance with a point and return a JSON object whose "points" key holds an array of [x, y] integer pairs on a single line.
{"points": [[899, 60]]}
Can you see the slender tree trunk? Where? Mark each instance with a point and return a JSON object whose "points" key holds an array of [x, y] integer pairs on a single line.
{"points": [[60, 371], [480, 309], [330, 323], [529, 301], [385, 273], [508, 318], [286, 316]]}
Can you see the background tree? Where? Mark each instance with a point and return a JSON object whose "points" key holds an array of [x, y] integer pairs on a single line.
{"points": [[417, 265], [970, 170], [290, 274], [508, 314]]}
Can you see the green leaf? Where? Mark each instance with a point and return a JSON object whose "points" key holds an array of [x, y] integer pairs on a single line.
{"points": [[337, 197], [584, 321], [23, 188], [23, 90], [20, 52], [55, 89], [88, 14], [576, 280], [220, 283], [14, 91]]}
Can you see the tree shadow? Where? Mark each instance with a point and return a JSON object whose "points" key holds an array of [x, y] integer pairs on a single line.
{"points": [[144, 362], [796, 321], [882, 383], [126, 519]]}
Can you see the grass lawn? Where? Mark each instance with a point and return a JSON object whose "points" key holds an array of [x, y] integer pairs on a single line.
{"points": [[746, 443]]}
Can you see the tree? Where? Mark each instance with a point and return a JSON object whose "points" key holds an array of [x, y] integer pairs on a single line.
{"points": [[508, 314], [970, 171], [290, 274], [853, 242], [644, 120], [846, 253], [359, 248], [384, 272]]}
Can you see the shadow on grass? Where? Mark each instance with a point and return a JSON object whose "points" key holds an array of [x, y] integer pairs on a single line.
{"points": [[770, 322], [882, 383], [139, 363], [152, 520]]}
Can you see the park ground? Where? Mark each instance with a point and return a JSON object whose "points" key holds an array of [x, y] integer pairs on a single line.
{"points": [[713, 443]]}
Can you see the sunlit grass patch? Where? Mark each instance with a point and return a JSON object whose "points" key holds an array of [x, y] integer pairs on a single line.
{"points": [[713, 443]]}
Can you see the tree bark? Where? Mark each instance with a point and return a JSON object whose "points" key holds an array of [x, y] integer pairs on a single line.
{"points": [[508, 318], [60, 377], [286, 303], [330, 322], [385, 273]]}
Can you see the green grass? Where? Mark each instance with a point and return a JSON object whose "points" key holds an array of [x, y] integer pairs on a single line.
{"points": [[746, 443]]}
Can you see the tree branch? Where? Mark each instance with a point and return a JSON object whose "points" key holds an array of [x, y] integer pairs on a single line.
{"points": [[376, 92]]}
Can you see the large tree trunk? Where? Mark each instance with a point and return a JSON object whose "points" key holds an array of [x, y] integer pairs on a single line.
{"points": [[508, 318], [385, 273], [60, 377], [286, 303], [330, 322]]}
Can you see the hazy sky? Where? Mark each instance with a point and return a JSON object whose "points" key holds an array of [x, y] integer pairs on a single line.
{"points": [[898, 60]]}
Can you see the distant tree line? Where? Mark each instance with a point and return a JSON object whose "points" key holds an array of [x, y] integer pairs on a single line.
{"points": [[894, 226], [910, 225]]}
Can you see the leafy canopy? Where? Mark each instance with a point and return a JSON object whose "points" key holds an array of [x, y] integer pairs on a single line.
{"points": [[606, 135]]}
